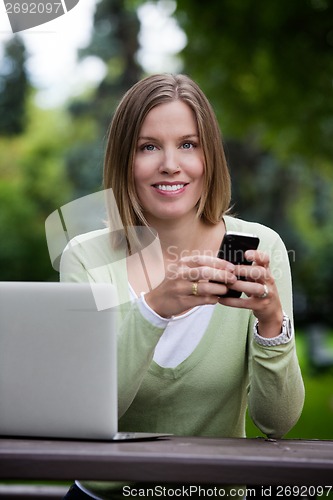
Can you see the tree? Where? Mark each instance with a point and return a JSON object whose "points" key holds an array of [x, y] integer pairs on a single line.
{"points": [[115, 42], [33, 184], [267, 67], [14, 88]]}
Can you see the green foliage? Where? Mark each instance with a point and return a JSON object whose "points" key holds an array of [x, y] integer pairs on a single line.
{"points": [[115, 35], [115, 41], [13, 88], [310, 211], [296, 200], [33, 184], [60, 156], [267, 67]]}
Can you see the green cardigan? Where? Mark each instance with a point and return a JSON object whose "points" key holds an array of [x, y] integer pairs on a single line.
{"points": [[228, 372]]}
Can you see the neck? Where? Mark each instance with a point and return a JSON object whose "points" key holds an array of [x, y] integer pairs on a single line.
{"points": [[181, 237]]}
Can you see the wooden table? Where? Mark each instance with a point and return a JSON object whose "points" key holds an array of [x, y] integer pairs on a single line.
{"points": [[182, 460]]}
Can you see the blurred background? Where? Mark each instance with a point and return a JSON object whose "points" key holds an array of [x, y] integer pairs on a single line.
{"points": [[267, 68]]}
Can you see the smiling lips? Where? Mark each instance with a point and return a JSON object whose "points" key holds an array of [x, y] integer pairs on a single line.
{"points": [[167, 189]]}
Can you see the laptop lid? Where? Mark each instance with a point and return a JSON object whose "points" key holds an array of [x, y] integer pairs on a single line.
{"points": [[58, 370]]}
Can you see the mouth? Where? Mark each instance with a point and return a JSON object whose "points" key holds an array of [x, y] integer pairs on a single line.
{"points": [[170, 188]]}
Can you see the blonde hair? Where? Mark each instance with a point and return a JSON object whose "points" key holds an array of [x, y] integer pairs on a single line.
{"points": [[122, 143]]}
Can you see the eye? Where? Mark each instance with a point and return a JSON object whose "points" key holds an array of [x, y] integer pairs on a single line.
{"points": [[148, 147], [188, 145]]}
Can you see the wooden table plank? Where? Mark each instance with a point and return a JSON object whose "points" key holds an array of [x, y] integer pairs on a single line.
{"points": [[176, 459]]}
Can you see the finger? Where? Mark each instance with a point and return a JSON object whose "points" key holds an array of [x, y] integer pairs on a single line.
{"points": [[239, 303], [254, 273], [258, 257], [265, 293], [256, 290], [245, 301], [208, 289], [206, 260], [206, 273]]}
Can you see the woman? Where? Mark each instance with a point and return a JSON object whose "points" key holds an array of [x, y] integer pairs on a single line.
{"points": [[190, 360]]}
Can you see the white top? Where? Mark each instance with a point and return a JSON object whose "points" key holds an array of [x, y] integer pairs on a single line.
{"points": [[182, 333]]}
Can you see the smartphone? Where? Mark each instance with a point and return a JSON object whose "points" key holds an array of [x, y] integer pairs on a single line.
{"points": [[233, 248]]}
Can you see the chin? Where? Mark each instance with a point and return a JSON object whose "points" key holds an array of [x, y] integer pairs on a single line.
{"points": [[171, 215]]}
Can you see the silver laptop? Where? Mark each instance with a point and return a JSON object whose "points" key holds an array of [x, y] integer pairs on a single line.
{"points": [[58, 362]]}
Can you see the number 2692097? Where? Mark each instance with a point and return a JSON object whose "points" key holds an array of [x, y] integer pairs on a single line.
{"points": [[33, 8]]}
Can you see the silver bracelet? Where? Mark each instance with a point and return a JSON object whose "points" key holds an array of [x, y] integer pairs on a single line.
{"points": [[287, 332]]}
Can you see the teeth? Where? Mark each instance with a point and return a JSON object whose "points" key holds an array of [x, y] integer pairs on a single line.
{"points": [[168, 187]]}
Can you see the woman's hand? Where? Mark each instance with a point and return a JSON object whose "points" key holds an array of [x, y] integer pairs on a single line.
{"points": [[187, 284], [261, 293]]}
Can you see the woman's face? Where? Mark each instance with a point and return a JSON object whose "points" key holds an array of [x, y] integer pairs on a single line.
{"points": [[169, 163]]}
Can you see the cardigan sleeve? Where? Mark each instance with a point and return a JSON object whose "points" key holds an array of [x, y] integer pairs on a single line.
{"points": [[83, 261], [276, 391]]}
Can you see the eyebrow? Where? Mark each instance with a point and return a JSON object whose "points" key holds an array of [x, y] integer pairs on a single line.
{"points": [[182, 138]]}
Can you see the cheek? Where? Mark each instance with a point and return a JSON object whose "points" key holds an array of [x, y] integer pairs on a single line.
{"points": [[138, 174], [199, 172], [196, 166], [141, 181], [142, 170]]}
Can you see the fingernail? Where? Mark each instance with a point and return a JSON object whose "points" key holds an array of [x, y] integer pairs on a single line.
{"points": [[249, 254]]}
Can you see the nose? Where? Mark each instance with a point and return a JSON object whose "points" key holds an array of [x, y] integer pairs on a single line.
{"points": [[169, 164]]}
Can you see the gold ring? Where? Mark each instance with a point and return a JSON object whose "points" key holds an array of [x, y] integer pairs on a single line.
{"points": [[195, 288]]}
